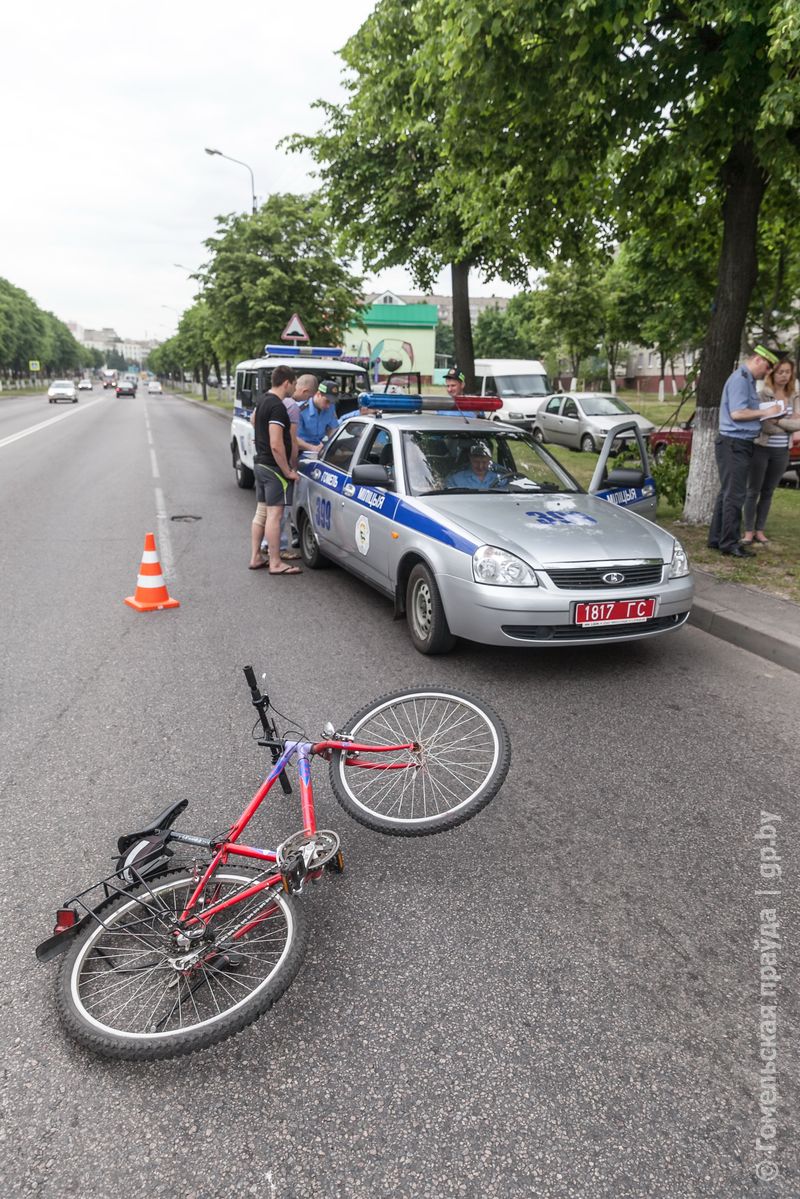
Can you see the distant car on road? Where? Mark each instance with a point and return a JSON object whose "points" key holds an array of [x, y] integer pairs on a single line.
{"points": [[85, 385], [62, 389], [154, 388], [581, 419], [126, 387]]}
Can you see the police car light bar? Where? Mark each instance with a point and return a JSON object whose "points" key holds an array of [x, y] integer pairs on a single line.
{"points": [[379, 401], [304, 351]]}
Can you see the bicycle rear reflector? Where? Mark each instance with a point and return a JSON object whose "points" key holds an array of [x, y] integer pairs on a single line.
{"points": [[65, 918]]}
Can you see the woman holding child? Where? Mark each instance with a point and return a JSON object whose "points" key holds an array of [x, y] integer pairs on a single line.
{"points": [[771, 450]]}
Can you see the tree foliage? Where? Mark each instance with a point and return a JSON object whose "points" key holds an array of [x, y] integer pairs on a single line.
{"points": [[391, 183], [266, 266], [28, 333]]}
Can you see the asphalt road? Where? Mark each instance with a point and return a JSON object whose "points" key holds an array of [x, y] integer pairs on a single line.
{"points": [[560, 998]]}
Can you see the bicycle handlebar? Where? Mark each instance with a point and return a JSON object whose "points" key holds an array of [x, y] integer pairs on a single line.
{"points": [[261, 705]]}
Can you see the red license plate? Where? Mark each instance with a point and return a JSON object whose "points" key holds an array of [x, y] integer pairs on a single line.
{"points": [[614, 611]]}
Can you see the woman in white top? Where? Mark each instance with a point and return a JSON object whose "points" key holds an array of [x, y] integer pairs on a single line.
{"points": [[771, 450]]}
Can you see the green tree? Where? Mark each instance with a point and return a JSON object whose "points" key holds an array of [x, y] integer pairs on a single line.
{"points": [[264, 267], [444, 346], [498, 335], [623, 109], [568, 311], [391, 184]]}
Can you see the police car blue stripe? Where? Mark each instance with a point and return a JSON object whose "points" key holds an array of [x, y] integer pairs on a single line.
{"points": [[400, 511], [624, 496]]}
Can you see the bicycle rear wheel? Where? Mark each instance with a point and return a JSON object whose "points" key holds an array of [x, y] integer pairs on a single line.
{"points": [[120, 993], [462, 758]]}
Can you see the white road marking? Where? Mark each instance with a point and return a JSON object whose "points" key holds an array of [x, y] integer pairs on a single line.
{"points": [[52, 421]]}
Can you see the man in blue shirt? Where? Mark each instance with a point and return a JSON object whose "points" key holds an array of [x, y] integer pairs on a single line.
{"points": [[318, 418], [739, 424], [481, 474]]}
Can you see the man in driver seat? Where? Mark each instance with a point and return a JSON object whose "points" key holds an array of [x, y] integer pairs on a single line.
{"points": [[481, 474]]}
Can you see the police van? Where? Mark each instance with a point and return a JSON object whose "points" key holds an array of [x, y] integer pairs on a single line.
{"points": [[253, 381]]}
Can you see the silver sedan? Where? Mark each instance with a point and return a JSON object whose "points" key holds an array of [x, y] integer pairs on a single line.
{"points": [[581, 419], [475, 531]]}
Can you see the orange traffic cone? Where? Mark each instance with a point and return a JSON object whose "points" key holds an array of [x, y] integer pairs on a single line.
{"points": [[151, 590]]}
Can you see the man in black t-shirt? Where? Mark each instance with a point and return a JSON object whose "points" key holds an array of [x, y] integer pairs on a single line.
{"points": [[273, 471]]}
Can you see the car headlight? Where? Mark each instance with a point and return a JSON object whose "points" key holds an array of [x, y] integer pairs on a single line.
{"points": [[679, 566], [501, 569], [516, 415]]}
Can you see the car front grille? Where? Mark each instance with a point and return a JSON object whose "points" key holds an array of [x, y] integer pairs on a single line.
{"points": [[591, 577], [576, 632]]}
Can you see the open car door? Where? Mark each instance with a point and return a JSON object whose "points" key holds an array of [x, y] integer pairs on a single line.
{"points": [[622, 475]]}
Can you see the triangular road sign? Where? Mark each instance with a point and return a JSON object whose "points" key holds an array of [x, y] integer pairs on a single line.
{"points": [[295, 330]]}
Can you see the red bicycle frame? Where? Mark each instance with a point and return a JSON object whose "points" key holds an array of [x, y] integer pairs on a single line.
{"points": [[304, 751]]}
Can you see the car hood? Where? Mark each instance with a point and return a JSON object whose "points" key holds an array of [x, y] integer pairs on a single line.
{"points": [[554, 529]]}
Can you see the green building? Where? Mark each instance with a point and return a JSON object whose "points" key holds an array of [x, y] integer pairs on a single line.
{"points": [[395, 335]]}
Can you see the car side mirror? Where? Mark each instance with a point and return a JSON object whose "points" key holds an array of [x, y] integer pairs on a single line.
{"points": [[367, 474], [624, 476]]}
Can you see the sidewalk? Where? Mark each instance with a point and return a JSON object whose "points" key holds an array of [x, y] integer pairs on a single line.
{"points": [[761, 623]]}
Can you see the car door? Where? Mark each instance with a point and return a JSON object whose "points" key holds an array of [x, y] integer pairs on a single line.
{"points": [[623, 476], [327, 481], [570, 428], [548, 418], [367, 511]]}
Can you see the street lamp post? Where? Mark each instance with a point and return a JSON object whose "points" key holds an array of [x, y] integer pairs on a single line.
{"points": [[241, 164]]}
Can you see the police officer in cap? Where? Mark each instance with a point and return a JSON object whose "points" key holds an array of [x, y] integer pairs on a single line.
{"points": [[740, 417], [454, 382]]}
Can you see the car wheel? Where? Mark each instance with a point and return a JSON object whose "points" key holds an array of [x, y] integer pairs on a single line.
{"points": [[538, 435], [427, 623], [309, 548], [244, 476], [659, 452], [587, 444]]}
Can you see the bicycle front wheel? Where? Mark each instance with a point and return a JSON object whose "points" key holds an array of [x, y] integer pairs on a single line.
{"points": [[461, 757], [126, 990]]}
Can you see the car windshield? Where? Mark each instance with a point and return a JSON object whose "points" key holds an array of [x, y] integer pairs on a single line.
{"points": [[604, 406], [62, 383], [457, 461], [523, 385]]}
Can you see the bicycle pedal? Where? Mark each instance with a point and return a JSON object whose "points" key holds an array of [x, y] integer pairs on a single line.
{"points": [[336, 864]]}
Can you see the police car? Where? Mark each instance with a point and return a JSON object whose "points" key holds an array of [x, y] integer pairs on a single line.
{"points": [[253, 379], [475, 530]]}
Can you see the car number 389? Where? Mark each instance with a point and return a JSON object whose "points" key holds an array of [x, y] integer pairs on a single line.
{"points": [[322, 514]]}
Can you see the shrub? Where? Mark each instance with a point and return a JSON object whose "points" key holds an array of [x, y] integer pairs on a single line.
{"points": [[670, 475]]}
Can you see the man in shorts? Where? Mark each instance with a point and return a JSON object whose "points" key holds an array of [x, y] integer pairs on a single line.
{"points": [[273, 471]]}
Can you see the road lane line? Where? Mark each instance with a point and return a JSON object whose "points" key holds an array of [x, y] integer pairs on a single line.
{"points": [[164, 540], [154, 464], [52, 421]]}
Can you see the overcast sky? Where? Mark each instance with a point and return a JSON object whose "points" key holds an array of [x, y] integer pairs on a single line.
{"points": [[106, 112]]}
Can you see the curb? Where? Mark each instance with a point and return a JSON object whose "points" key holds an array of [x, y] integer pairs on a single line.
{"points": [[206, 407], [753, 620]]}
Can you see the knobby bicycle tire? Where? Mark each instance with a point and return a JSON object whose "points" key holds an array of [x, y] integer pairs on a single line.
{"points": [[118, 995], [464, 758]]}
